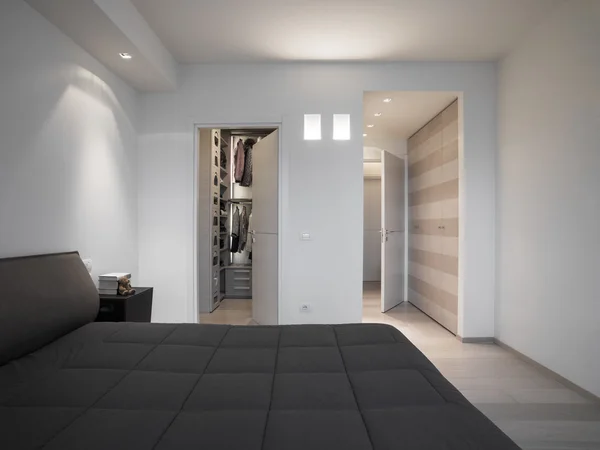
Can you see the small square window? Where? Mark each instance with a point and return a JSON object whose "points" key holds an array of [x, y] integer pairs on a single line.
{"points": [[341, 127], [312, 127]]}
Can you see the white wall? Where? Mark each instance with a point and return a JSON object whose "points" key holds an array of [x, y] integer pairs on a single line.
{"points": [[548, 306], [372, 230], [67, 147], [323, 181]]}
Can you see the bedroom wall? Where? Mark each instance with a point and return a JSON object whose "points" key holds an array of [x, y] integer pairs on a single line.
{"points": [[67, 147], [548, 195], [322, 190]]}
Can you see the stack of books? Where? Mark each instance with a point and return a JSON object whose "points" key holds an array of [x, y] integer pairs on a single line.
{"points": [[108, 283]]}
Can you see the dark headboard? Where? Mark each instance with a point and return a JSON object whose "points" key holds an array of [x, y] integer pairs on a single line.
{"points": [[42, 298]]}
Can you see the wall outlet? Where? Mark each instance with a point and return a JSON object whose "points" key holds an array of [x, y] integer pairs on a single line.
{"points": [[305, 307]]}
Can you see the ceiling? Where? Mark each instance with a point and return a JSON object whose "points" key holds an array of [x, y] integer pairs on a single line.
{"points": [[403, 116], [206, 31]]}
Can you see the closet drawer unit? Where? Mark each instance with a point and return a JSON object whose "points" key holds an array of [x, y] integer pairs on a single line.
{"points": [[239, 278], [238, 291], [238, 282]]}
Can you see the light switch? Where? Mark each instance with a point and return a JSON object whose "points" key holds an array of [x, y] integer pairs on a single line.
{"points": [[305, 237]]}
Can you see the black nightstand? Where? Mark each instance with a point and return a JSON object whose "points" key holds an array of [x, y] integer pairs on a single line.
{"points": [[130, 308]]}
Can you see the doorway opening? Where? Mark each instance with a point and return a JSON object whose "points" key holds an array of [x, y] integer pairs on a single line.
{"points": [[237, 225], [411, 174]]}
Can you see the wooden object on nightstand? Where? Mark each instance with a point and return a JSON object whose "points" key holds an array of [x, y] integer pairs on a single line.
{"points": [[126, 308]]}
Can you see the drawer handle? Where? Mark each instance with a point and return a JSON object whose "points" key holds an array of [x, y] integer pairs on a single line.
{"points": [[242, 279], [241, 288], [241, 271]]}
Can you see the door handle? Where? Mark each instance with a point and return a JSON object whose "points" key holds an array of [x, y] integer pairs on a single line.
{"points": [[384, 235]]}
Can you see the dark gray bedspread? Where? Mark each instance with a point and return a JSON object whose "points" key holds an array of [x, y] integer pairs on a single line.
{"points": [[165, 387]]}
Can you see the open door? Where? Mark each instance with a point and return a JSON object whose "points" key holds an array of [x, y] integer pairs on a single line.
{"points": [[392, 231], [265, 219]]}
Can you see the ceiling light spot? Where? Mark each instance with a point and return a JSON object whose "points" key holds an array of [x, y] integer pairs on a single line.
{"points": [[364, 134], [387, 100], [125, 55], [377, 114], [370, 126]]}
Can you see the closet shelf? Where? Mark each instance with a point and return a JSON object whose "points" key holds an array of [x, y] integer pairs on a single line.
{"points": [[224, 171], [240, 200]]}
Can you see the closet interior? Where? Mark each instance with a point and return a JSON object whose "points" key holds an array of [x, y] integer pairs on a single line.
{"points": [[226, 178]]}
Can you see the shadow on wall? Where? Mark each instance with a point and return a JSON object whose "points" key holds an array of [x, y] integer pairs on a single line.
{"points": [[68, 147]]}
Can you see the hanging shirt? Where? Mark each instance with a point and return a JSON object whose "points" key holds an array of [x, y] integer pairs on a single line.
{"points": [[239, 161], [243, 230], [250, 236], [247, 176], [235, 231]]}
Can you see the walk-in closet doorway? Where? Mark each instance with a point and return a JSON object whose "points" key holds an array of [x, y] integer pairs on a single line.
{"points": [[237, 223]]}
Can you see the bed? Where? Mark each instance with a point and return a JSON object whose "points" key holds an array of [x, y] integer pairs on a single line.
{"points": [[67, 382]]}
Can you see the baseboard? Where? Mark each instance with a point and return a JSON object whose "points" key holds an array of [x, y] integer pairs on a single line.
{"points": [[581, 391], [476, 340]]}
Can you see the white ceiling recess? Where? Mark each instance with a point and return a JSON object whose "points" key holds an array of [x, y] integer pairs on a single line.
{"points": [[207, 31], [403, 116], [105, 28]]}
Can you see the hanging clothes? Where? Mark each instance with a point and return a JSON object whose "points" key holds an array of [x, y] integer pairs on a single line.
{"points": [[235, 231], [243, 230], [247, 176], [250, 237], [239, 161]]}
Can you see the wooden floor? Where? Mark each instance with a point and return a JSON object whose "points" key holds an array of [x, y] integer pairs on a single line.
{"points": [[536, 411]]}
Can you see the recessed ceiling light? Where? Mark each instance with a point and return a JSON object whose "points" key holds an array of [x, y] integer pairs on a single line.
{"points": [[125, 55], [387, 100], [377, 114], [364, 134], [370, 126]]}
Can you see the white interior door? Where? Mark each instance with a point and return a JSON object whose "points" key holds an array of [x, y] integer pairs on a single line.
{"points": [[265, 164], [392, 232]]}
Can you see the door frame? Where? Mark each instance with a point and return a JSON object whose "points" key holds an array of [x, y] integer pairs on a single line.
{"points": [[193, 313]]}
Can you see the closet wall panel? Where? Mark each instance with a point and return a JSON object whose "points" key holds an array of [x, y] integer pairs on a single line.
{"points": [[434, 218]]}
